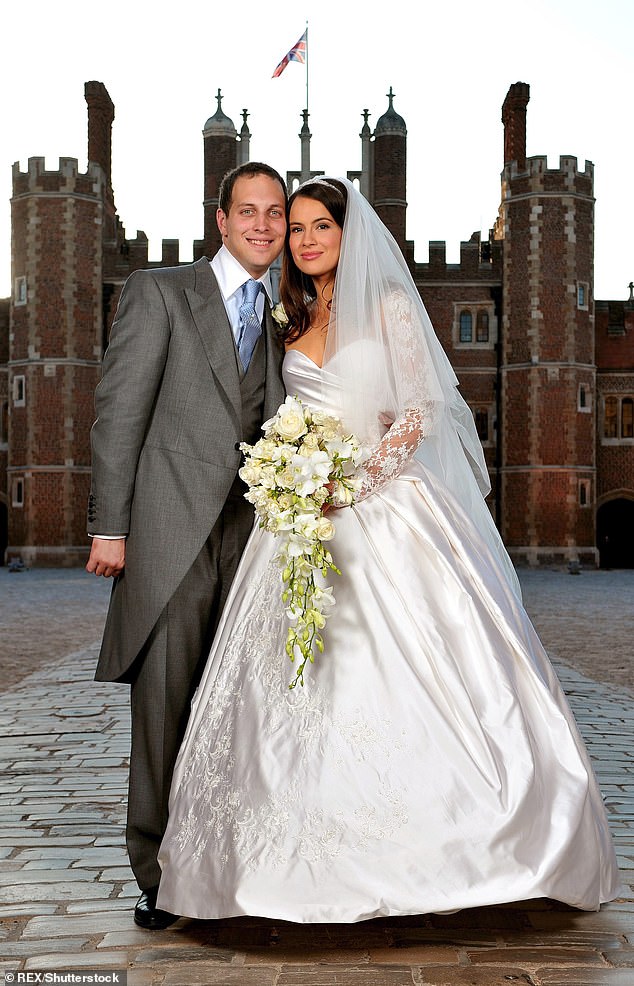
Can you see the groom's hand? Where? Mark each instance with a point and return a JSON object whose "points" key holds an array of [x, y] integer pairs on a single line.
{"points": [[107, 556]]}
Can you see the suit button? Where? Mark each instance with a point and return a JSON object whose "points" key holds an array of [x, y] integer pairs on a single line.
{"points": [[237, 446]]}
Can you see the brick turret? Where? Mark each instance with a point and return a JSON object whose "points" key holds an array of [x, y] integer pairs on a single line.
{"points": [[390, 171], [55, 352], [547, 360], [221, 155]]}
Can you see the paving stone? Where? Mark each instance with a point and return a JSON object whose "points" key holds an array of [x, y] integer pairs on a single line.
{"points": [[59, 891], [79, 960], [30, 907], [93, 924], [415, 955], [326, 975], [25, 949], [461, 976], [122, 873], [44, 864], [189, 954], [550, 955], [309, 956], [582, 977], [204, 974], [137, 936], [45, 876], [143, 977], [623, 956], [94, 906]]}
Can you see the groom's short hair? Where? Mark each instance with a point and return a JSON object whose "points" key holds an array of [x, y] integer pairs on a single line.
{"points": [[248, 170]]}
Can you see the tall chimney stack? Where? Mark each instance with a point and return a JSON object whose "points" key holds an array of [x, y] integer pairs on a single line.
{"points": [[514, 120], [100, 117]]}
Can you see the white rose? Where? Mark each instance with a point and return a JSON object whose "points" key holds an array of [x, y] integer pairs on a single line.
{"points": [[311, 441], [250, 474], [325, 529], [290, 422], [279, 315], [265, 448], [285, 500], [286, 478], [268, 478]]}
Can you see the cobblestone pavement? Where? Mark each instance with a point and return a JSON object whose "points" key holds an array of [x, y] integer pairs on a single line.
{"points": [[66, 891]]}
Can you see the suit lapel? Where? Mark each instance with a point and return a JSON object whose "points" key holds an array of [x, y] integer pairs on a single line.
{"points": [[274, 388], [210, 317]]}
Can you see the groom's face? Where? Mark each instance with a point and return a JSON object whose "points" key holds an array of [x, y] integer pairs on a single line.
{"points": [[253, 229]]}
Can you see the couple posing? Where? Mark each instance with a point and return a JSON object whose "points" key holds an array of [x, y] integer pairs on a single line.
{"points": [[430, 762]]}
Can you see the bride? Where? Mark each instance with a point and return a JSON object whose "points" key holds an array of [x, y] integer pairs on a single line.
{"points": [[430, 762]]}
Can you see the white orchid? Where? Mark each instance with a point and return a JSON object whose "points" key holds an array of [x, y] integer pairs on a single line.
{"points": [[302, 463]]}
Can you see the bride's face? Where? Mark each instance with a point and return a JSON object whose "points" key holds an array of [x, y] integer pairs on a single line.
{"points": [[314, 238]]}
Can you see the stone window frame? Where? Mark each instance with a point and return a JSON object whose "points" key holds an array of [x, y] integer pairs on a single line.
{"points": [[20, 293], [18, 390], [583, 296], [488, 407], [465, 326], [476, 309], [619, 400], [584, 493], [584, 398], [17, 492]]}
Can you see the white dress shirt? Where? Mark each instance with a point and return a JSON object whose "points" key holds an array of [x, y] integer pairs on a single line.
{"points": [[232, 277]]}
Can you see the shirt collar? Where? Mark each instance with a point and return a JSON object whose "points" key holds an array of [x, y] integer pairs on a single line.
{"points": [[231, 275]]}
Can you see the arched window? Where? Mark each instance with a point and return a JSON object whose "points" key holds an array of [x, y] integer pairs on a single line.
{"points": [[466, 326], [482, 327]]}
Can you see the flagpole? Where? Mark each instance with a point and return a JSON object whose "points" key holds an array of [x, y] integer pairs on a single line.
{"points": [[307, 65]]}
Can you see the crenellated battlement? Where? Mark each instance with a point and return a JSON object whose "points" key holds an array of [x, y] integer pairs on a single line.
{"points": [[479, 259], [134, 253], [66, 179], [536, 174]]}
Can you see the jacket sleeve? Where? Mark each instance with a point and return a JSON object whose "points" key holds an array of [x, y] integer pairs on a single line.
{"points": [[124, 399]]}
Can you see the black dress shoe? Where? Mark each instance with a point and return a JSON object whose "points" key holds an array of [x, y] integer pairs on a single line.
{"points": [[148, 915]]}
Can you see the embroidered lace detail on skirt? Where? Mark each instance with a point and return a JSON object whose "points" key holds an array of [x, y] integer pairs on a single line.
{"points": [[234, 822]]}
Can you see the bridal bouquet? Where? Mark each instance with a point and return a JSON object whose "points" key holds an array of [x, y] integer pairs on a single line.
{"points": [[303, 463]]}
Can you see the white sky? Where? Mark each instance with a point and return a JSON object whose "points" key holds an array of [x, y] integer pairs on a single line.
{"points": [[450, 69]]}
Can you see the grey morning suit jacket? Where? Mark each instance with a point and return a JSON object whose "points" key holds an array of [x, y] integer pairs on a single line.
{"points": [[164, 445]]}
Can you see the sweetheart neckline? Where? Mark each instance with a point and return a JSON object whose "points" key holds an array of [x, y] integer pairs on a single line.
{"points": [[305, 355]]}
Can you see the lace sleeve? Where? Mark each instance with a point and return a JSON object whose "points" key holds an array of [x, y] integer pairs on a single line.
{"points": [[394, 451]]}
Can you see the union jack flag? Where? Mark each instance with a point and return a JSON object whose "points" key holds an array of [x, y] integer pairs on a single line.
{"points": [[296, 54]]}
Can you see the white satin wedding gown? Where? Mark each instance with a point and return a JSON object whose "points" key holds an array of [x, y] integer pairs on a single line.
{"points": [[430, 762]]}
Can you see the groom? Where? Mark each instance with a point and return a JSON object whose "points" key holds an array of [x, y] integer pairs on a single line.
{"points": [[191, 370]]}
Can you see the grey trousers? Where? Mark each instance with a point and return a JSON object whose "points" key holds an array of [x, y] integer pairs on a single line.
{"points": [[164, 678]]}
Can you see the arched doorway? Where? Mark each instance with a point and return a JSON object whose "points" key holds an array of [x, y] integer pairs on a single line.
{"points": [[615, 533]]}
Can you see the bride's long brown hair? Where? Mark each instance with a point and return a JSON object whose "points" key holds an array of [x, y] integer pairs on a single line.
{"points": [[297, 290]]}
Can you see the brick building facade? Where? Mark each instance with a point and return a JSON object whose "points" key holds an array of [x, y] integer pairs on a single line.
{"points": [[547, 370]]}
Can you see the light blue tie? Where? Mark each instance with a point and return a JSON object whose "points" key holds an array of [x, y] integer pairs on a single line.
{"points": [[250, 327]]}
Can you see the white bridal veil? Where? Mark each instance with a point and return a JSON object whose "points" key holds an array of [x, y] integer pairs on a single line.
{"points": [[383, 347]]}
